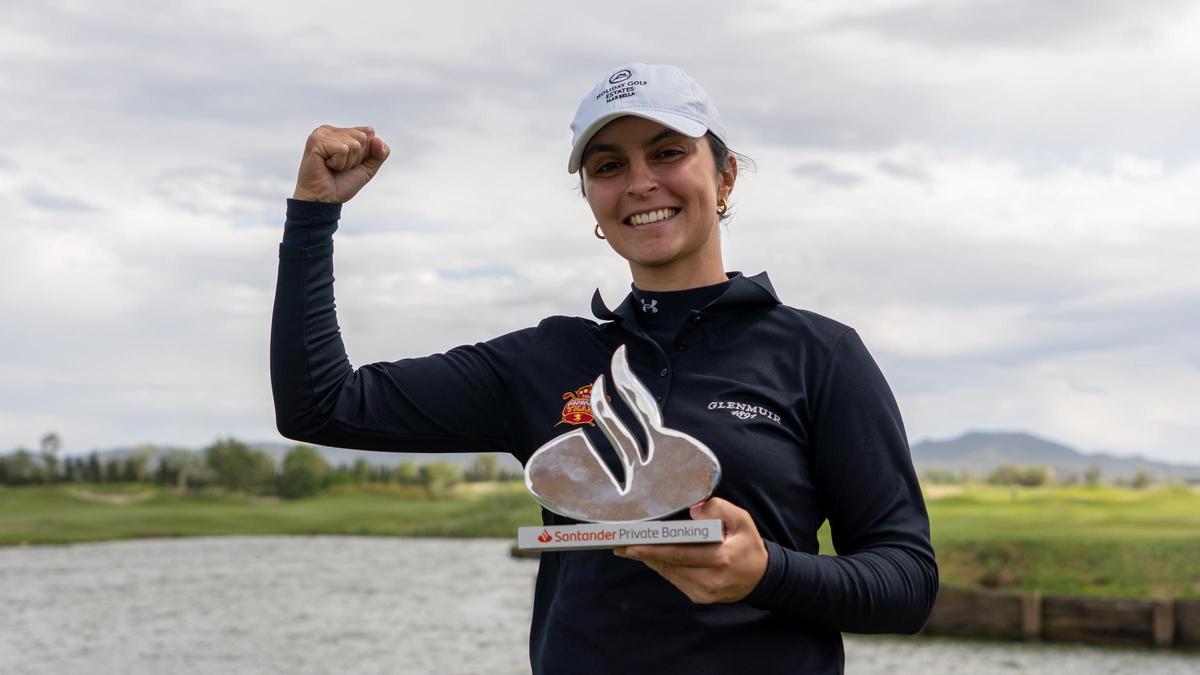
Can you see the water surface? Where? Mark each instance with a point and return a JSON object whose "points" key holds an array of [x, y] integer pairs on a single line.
{"points": [[300, 605]]}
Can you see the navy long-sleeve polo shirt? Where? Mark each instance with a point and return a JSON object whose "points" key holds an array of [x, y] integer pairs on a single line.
{"points": [[796, 410]]}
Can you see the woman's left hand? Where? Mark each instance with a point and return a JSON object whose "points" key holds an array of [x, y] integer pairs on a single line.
{"points": [[707, 573]]}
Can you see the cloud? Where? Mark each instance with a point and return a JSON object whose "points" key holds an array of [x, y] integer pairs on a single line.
{"points": [[826, 174], [1007, 224], [904, 171], [1018, 23], [917, 74], [40, 197], [491, 271]]}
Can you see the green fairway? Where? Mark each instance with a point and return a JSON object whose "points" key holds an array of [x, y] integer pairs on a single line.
{"points": [[1101, 540], [1098, 541], [41, 515]]}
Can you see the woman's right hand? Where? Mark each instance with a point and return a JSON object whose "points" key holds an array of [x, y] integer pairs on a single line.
{"points": [[338, 162]]}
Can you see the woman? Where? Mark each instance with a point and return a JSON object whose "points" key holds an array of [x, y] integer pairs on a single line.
{"points": [[800, 417]]}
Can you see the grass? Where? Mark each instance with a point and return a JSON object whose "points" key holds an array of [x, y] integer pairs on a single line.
{"points": [[1089, 541], [62, 514]]}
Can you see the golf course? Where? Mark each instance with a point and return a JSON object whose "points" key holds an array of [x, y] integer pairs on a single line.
{"points": [[1099, 541]]}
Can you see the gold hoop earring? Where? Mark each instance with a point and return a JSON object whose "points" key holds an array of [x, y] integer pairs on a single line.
{"points": [[722, 207], [597, 232]]}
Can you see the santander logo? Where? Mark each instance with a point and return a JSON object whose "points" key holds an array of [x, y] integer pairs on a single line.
{"points": [[672, 472], [544, 537]]}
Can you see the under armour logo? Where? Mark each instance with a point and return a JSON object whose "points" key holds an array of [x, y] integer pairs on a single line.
{"points": [[651, 307]]}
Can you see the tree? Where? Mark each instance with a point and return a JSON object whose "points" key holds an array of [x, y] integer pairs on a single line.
{"points": [[51, 444], [238, 467], [1142, 480], [19, 468], [73, 469], [1033, 476], [438, 477], [362, 471], [94, 472], [407, 473], [304, 472], [507, 475], [1003, 475], [1092, 475], [137, 461], [1029, 476], [940, 476], [112, 470], [484, 469], [183, 469]]}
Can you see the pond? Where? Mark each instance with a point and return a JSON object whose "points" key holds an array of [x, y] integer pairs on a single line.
{"points": [[298, 605]]}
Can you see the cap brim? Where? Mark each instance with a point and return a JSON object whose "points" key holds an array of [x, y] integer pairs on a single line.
{"points": [[684, 125]]}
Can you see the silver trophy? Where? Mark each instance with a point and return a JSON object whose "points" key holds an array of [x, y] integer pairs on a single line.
{"points": [[673, 472]]}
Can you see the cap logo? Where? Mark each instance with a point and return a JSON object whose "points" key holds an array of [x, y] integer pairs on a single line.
{"points": [[659, 93], [620, 76]]}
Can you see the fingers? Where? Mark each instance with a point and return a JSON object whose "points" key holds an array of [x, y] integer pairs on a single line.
{"points": [[342, 148], [364, 136], [702, 585], [733, 518], [338, 162], [377, 152], [725, 571], [685, 555], [343, 152]]}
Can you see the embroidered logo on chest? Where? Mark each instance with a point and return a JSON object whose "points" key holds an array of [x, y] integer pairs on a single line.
{"points": [[744, 411], [578, 407]]}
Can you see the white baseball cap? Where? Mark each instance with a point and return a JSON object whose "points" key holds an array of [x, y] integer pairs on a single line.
{"points": [[664, 94]]}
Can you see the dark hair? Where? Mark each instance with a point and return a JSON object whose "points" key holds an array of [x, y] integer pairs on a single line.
{"points": [[721, 154]]}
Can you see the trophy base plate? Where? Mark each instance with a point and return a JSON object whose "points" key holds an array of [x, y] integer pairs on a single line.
{"points": [[589, 536]]}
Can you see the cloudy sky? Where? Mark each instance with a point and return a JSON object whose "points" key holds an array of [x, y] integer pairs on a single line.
{"points": [[1001, 196]]}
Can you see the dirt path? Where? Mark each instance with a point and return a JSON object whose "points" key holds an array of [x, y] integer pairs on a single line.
{"points": [[102, 498]]}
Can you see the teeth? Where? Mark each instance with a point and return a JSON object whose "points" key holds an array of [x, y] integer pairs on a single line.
{"points": [[652, 217]]}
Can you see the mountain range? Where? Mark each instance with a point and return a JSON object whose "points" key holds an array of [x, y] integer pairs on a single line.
{"points": [[980, 452], [976, 452]]}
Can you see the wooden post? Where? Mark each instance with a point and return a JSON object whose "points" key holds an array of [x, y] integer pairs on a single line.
{"points": [[1031, 615], [1187, 622], [1164, 623]]}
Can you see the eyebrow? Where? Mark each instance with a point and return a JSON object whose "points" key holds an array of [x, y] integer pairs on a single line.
{"points": [[608, 147]]}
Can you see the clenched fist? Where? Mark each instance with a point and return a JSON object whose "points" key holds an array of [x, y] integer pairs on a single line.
{"points": [[338, 162]]}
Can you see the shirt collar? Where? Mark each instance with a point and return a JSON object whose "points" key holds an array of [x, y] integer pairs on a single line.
{"points": [[743, 291]]}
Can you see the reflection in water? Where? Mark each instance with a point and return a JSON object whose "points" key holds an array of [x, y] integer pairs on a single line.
{"points": [[301, 605]]}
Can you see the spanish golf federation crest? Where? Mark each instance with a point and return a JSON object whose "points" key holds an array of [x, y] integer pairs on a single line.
{"points": [[674, 471], [578, 407]]}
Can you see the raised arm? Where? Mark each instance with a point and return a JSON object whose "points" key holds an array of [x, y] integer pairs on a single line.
{"points": [[449, 402]]}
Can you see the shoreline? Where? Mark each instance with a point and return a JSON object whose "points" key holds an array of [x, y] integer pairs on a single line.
{"points": [[1156, 624], [1059, 541]]}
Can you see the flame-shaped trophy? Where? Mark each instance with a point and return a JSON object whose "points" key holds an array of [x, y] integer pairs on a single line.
{"points": [[673, 472]]}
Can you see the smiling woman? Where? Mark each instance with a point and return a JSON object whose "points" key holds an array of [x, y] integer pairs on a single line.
{"points": [[655, 194], [798, 414]]}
